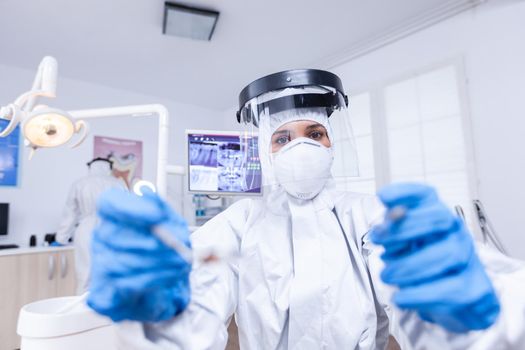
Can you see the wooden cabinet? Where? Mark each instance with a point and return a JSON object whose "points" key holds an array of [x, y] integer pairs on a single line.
{"points": [[29, 277], [66, 274], [8, 297]]}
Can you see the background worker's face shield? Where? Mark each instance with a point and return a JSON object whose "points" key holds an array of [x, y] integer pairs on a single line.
{"points": [[309, 115]]}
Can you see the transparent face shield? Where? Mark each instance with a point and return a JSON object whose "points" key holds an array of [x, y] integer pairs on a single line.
{"points": [[305, 138]]}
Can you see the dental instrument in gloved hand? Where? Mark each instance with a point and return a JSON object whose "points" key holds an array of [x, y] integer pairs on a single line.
{"points": [[134, 274], [430, 256], [205, 257]]}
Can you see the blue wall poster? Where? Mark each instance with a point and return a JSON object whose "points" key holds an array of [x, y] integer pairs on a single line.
{"points": [[9, 151]]}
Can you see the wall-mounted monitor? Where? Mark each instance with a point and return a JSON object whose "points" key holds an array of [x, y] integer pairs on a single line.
{"points": [[223, 163], [4, 218]]}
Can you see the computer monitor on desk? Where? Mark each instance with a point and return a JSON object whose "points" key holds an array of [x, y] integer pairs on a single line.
{"points": [[4, 218], [223, 163]]}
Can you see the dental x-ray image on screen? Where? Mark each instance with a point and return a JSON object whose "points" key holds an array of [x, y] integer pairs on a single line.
{"points": [[223, 162]]}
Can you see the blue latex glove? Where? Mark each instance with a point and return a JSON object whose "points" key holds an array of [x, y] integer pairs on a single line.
{"points": [[56, 244], [134, 276], [430, 256]]}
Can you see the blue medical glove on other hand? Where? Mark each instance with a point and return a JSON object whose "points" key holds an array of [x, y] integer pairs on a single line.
{"points": [[430, 256], [56, 244], [135, 276]]}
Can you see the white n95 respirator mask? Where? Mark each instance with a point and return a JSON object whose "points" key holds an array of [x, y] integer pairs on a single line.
{"points": [[302, 167]]}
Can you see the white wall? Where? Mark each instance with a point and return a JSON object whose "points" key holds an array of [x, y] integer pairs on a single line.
{"points": [[37, 202], [489, 39]]}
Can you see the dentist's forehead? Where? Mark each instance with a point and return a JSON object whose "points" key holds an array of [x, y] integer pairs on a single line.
{"points": [[295, 124]]}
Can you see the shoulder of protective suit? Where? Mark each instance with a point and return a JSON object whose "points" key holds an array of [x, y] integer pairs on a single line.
{"points": [[237, 213], [225, 225], [363, 198], [369, 205], [240, 205]]}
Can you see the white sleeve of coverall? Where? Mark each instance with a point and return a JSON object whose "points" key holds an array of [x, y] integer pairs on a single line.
{"points": [[203, 325], [70, 217], [508, 277], [411, 332]]}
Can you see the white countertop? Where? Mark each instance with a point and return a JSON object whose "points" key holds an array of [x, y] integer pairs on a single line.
{"points": [[41, 249], [32, 250]]}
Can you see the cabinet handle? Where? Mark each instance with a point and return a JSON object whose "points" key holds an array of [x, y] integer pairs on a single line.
{"points": [[51, 267], [63, 265]]}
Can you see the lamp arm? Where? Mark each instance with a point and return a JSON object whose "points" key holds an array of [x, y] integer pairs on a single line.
{"points": [[12, 113], [49, 76], [45, 81], [80, 125], [26, 98], [44, 85]]}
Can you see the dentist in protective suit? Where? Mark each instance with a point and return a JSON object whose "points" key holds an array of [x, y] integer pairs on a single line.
{"points": [[79, 215], [317, 268]]}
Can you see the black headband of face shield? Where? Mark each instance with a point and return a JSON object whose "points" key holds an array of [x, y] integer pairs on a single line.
{"points": [[330, 101], [100, 159], [297, 79]]}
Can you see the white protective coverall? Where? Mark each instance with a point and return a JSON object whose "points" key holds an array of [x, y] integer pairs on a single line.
{"points": [[308, 278], [79, 216]]}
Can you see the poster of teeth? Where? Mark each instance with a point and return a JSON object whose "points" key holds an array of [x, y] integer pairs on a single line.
{"points": [[9, 156], [125, 154]]}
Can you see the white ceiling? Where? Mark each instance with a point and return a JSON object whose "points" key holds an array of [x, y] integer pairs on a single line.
{"points": [[119, 43]]}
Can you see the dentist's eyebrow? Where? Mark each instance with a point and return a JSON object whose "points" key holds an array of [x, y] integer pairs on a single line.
{"points": [[280, 132], [315, 126]]}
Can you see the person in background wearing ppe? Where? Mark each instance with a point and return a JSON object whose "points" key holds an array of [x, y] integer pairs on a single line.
{"points": [[308, 274], [79, 215]]}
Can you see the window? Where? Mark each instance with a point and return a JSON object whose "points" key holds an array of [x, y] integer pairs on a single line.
{"points": [[413, 129], [424, 128]]}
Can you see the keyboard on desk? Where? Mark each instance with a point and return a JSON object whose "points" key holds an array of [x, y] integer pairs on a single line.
{"points": [[8, 246]]}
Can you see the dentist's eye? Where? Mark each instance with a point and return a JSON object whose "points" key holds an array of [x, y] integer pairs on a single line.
{"points": [[282, 140], [279, 140], [316, 135]]}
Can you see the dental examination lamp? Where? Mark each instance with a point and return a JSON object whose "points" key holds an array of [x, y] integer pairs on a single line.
{"points": [[45, 127], [42, 126]]}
